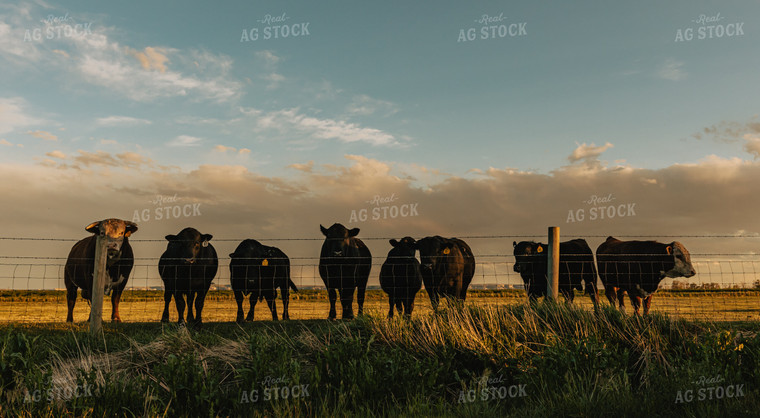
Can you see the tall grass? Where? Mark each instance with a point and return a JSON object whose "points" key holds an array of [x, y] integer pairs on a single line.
{"points": [[567, 362]]}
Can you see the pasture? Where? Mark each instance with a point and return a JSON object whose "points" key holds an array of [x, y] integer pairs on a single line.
{"points": [[497, 356]]}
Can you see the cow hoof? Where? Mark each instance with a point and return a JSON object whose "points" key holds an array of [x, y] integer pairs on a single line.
{"points": [[239, 320], [165, 319], [115, 319]]}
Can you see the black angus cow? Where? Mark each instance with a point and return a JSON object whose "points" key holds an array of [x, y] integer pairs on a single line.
{"points": [[80, 265], [447, 267], [400, 276], [344, 265], [637, 267], [259, 270], [576, 268], [187, 267]]}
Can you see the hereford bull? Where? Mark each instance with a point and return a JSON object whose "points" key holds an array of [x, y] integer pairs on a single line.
{"points": [[80, 265], [400, 276], [260, 270], [576, 268], [187, 268], [447, 267], [344, 265], [637, 267]]}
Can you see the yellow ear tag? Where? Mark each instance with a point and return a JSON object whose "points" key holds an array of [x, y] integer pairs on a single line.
{"points": [[540, 249], [265, 262], [446, 251]]}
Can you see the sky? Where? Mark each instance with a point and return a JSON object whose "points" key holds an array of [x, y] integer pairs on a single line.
{"points": [[476, 119]]}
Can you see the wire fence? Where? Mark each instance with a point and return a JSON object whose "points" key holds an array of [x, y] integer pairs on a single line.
{"points": [[725, 288]]}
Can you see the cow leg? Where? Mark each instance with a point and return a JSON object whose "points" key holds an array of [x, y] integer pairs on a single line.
{"points": [[71, 300], [272, 303], [399, 305], [621, 300], [434, 299], [115, 299], [636, 302], [593, 293], [346, 300], [179, 300], [359, 298], [332, 296], [611, 294], [252, 299], [285, 293], [408, 306], [191, 297], [239, 300], [647, 304], [391, 304], [167, 301], [200, 298]]}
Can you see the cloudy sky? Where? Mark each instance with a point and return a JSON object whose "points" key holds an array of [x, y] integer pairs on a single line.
{"points": [[477, 119]]}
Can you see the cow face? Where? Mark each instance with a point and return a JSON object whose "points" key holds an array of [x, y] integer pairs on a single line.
{"points": [[404, 248], [433, 252], [114, 231], [682, 261], [338, 241], [187, 245], [526, 254]]}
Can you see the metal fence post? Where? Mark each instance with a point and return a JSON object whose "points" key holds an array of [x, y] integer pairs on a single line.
{"points": [[552, 268], [98, 284]]}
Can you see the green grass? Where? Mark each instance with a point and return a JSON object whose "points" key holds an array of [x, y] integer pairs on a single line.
{"points": [[568, 361]]}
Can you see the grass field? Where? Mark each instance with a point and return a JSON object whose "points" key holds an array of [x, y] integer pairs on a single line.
{"points": [[220, 306]]}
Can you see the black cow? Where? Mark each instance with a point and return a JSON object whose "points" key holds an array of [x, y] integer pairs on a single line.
{"points": [[259, 270], [400, 276], [576, 268], [344, 265], [80, 265], [187, 267], [637, 267], [447, 267]]}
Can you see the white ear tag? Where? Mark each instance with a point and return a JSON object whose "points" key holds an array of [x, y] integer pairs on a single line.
{"points": [[205, 243]]}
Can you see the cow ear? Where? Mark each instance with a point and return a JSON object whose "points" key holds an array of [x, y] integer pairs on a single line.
{"points": [[322, 228], [131, 229], [233, 255], [393, 242], [93, 227], [207, 237], [171, 237], [353, 232], [669, 249], [514, 244]]}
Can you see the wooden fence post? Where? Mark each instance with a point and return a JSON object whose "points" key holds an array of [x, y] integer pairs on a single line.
{"points": [[98, 284], [552, 268]]}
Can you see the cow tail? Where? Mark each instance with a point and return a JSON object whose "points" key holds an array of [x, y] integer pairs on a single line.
{"points": [[292, 285]]}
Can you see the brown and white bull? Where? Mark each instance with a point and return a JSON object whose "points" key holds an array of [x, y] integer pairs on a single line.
{"points": [[637, 267], [80, 265]]}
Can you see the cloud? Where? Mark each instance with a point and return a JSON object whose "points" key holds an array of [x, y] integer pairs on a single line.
{"points": [[365, 105], [752, 145], [290, 120], [121, 120], [56, 154], [5, 143], [185, 141], [47, 136], [13, 115], [101, 159], [226, 149], [671, 70], [274, 80], [150, 58], [588, 152], [268, 57], [108, 142]]}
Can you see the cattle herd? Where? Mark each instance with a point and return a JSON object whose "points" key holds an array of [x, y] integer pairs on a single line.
{"points": [[446, 267]]}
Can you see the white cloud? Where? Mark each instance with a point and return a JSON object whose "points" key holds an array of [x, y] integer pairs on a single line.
{"points": [[752, 145], [13, 115], [268, 57], [365, 105], [225, 149], [121, 120], [47, 136], [671, 70], [5, 142], [588, 152], [185, 141], [56, 154]]}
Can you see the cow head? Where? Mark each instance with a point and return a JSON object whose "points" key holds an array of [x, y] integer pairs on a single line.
{"points": [[681, 259], [434, 251], [187, 245], [404, 248], [527, 254], [114, 231], [338, 241]]}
